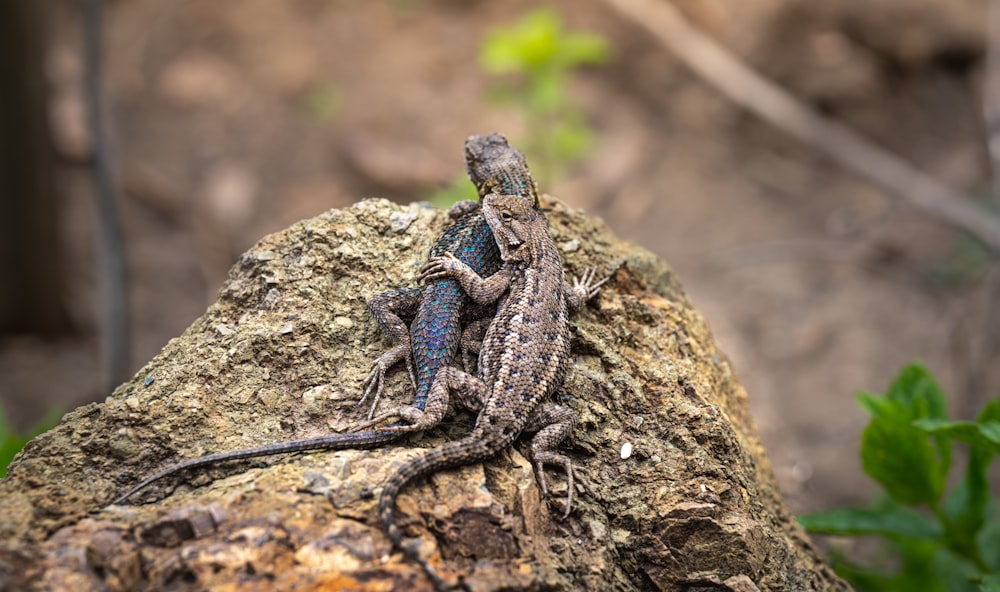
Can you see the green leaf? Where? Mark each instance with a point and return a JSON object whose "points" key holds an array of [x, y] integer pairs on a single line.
{"points": [[582, 48], [917, 390], [880, 407], [901, 458], [991, 431], [918, 570], [990, 412], [985, 435], [990, 583], [891, 520], [954, 573], [965, 431], [966, 506], [864, 580], [525, 46], [989, 422], [989, 541], [908, 464], [538, 43], [906, 447]]}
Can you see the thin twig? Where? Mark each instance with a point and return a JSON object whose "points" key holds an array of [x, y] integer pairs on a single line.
{"points": [[985, 338], [114, 288], [991, 94], [762, 97]]}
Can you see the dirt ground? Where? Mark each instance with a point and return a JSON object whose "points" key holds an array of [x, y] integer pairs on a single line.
{"points": [[233, 119]]}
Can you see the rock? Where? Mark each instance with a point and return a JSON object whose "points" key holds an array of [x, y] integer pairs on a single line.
{"points": [[694, 504]]}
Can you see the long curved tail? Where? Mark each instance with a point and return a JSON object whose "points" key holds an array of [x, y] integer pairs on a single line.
{"points": [[466, 451], [472, 448], [360, 440]]}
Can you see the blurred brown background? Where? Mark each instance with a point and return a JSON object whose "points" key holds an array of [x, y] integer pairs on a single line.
{"points": [[231, 119]]}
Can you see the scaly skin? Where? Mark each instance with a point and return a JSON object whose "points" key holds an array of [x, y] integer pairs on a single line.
{"points": [[434, 334], [437, 310], [494, 166], [523, 360]]}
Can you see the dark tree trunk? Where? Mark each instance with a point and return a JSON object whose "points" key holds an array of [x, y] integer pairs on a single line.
{"points": [[31, 285]]}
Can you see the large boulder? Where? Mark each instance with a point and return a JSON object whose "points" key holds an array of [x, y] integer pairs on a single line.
{"points": [[679, 496]]}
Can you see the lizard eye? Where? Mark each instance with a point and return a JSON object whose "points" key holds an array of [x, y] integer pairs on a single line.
{"points": [[506, 216]]}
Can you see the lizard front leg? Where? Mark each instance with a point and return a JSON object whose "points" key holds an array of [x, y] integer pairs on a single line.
{"points": [[583, 289], [481, 291], [461, 208]]}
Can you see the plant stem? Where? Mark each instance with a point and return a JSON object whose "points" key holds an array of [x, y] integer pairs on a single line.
{"points": [[955, 542]]}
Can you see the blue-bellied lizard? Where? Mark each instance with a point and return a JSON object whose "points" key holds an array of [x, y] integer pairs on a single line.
{"points": [[432, 340], [436, 308], [524, 357]]}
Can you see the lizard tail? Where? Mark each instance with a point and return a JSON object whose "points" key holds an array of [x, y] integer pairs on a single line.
{"points": [[361, 440], [468, 450]]}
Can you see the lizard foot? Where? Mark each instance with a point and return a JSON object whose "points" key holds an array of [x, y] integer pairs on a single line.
{"points": [[585, 286], [553, 458], [445, 266], [413, 420], [374, 384]]}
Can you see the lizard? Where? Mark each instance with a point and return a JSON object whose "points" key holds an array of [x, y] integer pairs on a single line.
{"points": [[523, 359], [436, 308]]}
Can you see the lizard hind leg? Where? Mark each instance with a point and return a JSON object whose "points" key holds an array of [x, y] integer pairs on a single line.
{"points": [[470, 393], [391, 310], [553, 424], [472, 342], [374, 383]]}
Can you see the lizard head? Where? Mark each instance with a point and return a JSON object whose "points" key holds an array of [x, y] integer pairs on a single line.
{"points": [[512, 219], [494, 166]]}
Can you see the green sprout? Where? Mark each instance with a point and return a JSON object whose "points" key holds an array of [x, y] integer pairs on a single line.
{"points": [[935, 538], [11, 442], [537, 57]]}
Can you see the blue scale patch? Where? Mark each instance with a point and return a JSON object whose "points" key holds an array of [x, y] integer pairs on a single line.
{"points": [[471, 240]]}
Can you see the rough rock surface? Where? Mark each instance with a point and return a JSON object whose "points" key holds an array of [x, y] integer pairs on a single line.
{"points": [[681, 492]]}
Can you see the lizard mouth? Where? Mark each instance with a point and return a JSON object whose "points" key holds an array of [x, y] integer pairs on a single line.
{"points": [[507, 241], [510, 244]]}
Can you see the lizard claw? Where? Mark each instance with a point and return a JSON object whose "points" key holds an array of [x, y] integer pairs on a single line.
{"points": [[411, 419], [445, 266], [392, 414], [374, 383], [373, 387], [543, 483], [585, 286]]}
